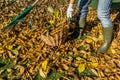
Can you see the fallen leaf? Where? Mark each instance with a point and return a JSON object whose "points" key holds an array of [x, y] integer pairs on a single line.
{"points": [[94, 71], [54, 76], [15, 52], [56, 13], [1, 79], [57, 39], [100, 37], [50, 9], [12, 14], [66, 67], [21, 69], [112, 50], [90, 41], [95, 39], [18, 48], [87, 72], [52, 22], [9, 47], [81, 68], [93, 64], [80, 59], [118, 52], [44, 64], [42, 73], [2, 51], [0, 44], [46, 40]]}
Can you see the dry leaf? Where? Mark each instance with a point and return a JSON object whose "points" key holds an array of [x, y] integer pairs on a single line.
{"points": [[57, 39], [65, 66], [112, 50], [100, 37], [95, 39], [94, 71], [1, 79], [21, 70], [46, 40], [9, 47], [50, 9], [56, 13], [2, 51], [0, 45], [42, 73], [60, 37], [118, 52], [93, 64], [81, 68], [44, 64], [52, 40], [52, 22], [15, 52], [12, 14], [90, 41], [31, 55], [80, 59]]}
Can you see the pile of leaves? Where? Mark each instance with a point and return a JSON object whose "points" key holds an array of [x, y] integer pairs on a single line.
{"points": [[24, 56]]}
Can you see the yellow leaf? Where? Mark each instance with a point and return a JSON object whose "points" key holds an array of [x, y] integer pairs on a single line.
{"points": [[94, 71], [11, 14], [18, 48], [95, 39], [56, 13], [44, 64], [9, 47], [52, 22], [50, 9], [89, 40], [42, 73], [100, 37], [15, 52], [0, 44], [1, 79], [21, 69], [1, 51], [93, 64], [81, 67], [118, 52], [112, 50], [79, 59]]}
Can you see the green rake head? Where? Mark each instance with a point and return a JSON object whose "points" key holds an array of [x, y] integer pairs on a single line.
{"points": [[20, 16]]}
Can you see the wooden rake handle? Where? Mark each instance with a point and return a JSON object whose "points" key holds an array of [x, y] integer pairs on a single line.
{"points": [[35, 2]]}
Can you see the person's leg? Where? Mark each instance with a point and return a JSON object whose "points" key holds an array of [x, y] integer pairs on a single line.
{"points": [[104, 16], [83, 10], [83, 7], [104, 12]]}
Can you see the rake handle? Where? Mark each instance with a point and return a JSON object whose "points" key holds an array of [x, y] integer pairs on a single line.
{"points": [[35, 2]]}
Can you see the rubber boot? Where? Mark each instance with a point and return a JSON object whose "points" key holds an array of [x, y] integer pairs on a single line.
{"points": [[82, 22], [107, 36]]}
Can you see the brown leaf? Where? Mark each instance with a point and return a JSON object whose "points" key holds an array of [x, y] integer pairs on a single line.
{"points": [[21, 70], [46, 40], [52, 40], [57, 39]]}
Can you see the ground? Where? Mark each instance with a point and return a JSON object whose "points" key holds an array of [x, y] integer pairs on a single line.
{"points": [[24, 56]]}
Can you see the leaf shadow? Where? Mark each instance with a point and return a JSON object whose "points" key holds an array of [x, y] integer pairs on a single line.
{"points": [[88, 27]]}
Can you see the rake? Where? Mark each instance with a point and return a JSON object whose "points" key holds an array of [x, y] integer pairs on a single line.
{"points": [[20, 16]]}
